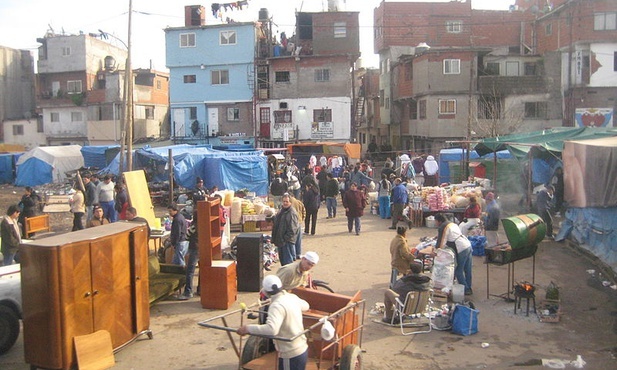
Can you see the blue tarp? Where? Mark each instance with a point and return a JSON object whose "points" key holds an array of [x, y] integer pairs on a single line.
{"points": [[226, 169], [99, 156], [593, 229], [458, 154], [7, 164], [44, 165]]}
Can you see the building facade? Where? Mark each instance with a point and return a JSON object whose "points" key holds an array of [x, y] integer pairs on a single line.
{"points": [[17, 101]]}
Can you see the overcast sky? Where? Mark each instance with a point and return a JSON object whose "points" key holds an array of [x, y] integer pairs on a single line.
{"points": [[23, 21]]}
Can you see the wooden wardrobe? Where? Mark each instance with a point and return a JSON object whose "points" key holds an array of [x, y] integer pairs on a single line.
{"points": [[80, 282]]}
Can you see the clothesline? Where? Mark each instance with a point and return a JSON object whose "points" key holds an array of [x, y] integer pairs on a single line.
{"points": [[218, 8]]}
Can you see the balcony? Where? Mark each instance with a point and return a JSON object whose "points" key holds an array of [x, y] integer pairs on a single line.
{"points": [[511, 85]]}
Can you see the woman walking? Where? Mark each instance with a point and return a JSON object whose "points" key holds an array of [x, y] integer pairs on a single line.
{"points": [[354, 202], [384, 190], [78, 208]]}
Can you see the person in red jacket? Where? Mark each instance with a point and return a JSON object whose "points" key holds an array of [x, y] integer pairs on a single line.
{"points": [[354, 202], [471, 217]]}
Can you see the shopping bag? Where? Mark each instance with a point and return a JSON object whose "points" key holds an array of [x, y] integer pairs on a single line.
{"points": [[464, 320]]}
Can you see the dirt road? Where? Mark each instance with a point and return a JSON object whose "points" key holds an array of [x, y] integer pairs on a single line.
{"points": [[350, 263]]}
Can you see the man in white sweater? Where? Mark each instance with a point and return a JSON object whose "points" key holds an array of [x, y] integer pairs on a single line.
{"points": [[284, 320]]}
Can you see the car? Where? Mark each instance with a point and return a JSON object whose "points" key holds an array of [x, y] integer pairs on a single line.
{"points": [[10, 306]]}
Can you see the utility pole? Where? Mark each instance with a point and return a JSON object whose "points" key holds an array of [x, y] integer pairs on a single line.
{"points": [[129, 97]]}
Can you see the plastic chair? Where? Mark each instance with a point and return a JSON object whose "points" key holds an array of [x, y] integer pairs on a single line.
{"points": [[416, 310]]}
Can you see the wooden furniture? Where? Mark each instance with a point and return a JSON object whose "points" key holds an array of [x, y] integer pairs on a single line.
{"points": [[218, 288], [94, 351], [81, 282], [37, 223]]}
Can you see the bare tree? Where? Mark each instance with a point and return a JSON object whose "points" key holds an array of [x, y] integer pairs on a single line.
{"points": [[496, 115]]}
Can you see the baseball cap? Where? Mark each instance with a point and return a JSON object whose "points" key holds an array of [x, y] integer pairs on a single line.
{"points": [[312, 257]]}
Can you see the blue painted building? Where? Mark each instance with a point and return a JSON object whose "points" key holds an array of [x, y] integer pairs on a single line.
{"points": [[211, 70]]}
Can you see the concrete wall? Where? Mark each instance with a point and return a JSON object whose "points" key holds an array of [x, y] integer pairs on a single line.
{"points": [[16, 84], [31, 138]]}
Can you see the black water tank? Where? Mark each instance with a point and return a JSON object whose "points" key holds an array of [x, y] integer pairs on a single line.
{"points": [[263, 14]]}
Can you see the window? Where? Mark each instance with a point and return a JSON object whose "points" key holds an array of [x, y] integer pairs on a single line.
{"points": [[228, 37], [454, 26], [387, 103], [66, 51], [413, 110], [281, 76], [220, 77], [322, 115], [530, 69], [76, 117], [192, 112], [604, 21], [535, 110], [190, 79], [512, 69], [489, 108], [54, 117], [233, 114], [18, 130], [282, 116], [149, 112], [492, 69], [548, 29], [40, 127], [447, 106], [382, 97], [187, 40], [73, 87], [159, 85], [322, 75], [264, 115], [340, 30], [408, 72], [451, 66], [422, 109]]}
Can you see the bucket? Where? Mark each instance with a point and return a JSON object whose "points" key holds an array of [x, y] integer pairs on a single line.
{"points": [[430, 222], [458, 293]]}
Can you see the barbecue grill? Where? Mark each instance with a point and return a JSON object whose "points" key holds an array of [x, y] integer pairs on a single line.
{"points": [[524, 232]]}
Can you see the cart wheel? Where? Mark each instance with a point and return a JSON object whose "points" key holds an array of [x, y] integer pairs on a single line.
{"points": [[9, 328], [255, 347], [351, 358]]}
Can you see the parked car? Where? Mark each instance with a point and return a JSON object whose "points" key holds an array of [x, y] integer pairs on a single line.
{"points": [[10, 306]]}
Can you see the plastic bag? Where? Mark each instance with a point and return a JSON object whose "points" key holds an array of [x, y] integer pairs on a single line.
{"points": [[464, 320]]}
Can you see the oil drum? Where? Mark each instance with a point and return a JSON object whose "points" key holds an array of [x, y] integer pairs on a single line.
{"points": [[524, 230]]}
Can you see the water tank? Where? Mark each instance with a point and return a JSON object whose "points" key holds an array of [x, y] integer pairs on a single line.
{"points": [[110, 63], [263, 14]]}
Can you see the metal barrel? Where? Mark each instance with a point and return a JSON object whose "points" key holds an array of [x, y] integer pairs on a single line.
{"points": [[524, 230]]}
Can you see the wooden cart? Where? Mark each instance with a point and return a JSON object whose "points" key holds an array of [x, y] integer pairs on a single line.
{"points": [[345, 313]]}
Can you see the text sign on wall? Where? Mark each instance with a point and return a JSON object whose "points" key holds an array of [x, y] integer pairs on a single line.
{"points": [[322, 130]]}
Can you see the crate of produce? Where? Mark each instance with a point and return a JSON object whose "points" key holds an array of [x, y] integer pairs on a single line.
{"points": [[249, 226]]}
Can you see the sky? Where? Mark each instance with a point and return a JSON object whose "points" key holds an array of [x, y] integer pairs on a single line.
{"points": [[23, 21]]}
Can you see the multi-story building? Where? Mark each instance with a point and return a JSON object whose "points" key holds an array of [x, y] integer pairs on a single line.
{"points": [[452, 73], [80, 92], [17, 103], [212, 76], [306, 86]]}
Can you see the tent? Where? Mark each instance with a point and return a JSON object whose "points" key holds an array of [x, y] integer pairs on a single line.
{"points": [[590, 174], [7, 167], [448, 156], [99, 156], [47, 164]]}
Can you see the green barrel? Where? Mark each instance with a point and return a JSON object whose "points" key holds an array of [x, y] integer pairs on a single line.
{"points": [[524, 230]]}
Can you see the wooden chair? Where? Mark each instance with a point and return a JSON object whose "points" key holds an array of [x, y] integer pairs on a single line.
{"points": [[414, 311]]}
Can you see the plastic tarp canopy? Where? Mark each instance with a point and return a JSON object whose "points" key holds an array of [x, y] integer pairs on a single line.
{"points": [[302, 152], [6, 169], [47, 164], [545, 140], [236, 172], [99, 156], [593, 229], [590, 173], [458, 155]]}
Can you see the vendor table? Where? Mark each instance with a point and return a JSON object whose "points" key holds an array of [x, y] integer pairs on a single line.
{"points": [[156, 240], [457, 212]]}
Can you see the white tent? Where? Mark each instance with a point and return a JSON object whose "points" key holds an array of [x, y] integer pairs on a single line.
{"points": [[47, 164]]}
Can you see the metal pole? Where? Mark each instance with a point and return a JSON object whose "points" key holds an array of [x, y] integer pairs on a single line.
{"points": [[129, 105]]}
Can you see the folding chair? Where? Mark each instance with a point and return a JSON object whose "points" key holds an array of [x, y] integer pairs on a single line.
{"points": [[416, 309]]}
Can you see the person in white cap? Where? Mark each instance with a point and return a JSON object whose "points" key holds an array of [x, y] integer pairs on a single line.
{"points": [[284, 320], [296, 274]]}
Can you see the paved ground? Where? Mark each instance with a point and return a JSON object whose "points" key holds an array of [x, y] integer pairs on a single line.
{"points": [[350, 263]]}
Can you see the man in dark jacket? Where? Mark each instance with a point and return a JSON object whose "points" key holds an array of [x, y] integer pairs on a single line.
{"points": [[332, 191], [544, 201], [400, 198], [285, 231], [312, 201], [177, 237], [90, 194], [278, 187], [354, 202], [413, 281]]}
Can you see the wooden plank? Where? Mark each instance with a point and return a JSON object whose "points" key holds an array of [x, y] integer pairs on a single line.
{"points": [[94, 351], [139, 195]]}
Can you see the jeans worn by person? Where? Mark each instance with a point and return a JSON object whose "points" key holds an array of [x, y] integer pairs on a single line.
{"points": [[463, 268], [109, 211], [353, 221], [179, 253], [287, 253], [384, 206], [331, 206], [193, 257], [298, 247]]}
